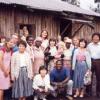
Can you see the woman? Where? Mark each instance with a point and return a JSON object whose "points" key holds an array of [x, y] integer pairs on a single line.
{"points": [[81, 63], [44, 36], [38, 55], [50, 53], [29, 48], [5, 58], [21, 73], [25, 33], [41, 84]]}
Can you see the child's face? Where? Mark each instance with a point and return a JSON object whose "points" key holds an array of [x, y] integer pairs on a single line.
{"points": [[43, 72], [52, 43]]}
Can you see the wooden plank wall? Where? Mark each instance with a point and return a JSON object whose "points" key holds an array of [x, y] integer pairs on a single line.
{"points": [[86, 31], [10, 19]]}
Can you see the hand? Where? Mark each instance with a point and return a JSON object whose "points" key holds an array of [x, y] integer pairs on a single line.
{"points": [[60, 84], [6, 73], [41, 90], [13, 79], [46, 90]]}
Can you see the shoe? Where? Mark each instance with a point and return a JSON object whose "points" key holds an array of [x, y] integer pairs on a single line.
{"points": [[35, 98], [44, 99], [69, 97], [81, 96], [98, 95], [76, 95]]}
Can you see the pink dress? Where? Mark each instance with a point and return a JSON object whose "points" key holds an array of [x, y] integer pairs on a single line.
{"points": [[38, 59], [5, 81]]}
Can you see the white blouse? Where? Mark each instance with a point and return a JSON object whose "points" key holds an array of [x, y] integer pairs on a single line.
{"points": [[53, 51], [39, 81], [22, 59]]}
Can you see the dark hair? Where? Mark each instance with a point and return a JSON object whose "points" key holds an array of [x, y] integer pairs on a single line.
{"points": [[42, 67], [22, 42], [83, 40], [7, 40], [52, 39], [96, 34], [29, 36], [46, 32]]}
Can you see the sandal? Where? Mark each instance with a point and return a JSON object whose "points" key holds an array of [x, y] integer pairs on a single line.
{"points": [[81, 96], [76, 95]]}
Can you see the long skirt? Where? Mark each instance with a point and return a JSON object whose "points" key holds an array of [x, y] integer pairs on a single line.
{"points": [[79, 73], [22, 86]]}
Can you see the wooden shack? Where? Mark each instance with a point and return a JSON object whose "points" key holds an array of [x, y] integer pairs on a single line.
{"points": [[56, 16]]}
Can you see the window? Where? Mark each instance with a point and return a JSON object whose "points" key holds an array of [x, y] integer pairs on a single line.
{"points": [[30, 28]]}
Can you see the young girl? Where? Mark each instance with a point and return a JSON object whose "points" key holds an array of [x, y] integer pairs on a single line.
{"points": [[51, 51], [5, 58], [21, 73], [81, 63]]}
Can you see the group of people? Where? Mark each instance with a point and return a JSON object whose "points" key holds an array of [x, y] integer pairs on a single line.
{"points": [[44, 66]]}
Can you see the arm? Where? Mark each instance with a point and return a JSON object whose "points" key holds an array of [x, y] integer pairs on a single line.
{"points": [[52, 79], [67, 73], [88, 60], [35, 82], [65, 81], [74, 59], [1, 61], [13, 67]]}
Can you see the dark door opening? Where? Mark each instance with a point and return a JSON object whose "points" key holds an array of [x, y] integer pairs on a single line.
{"points": [[65, 28]]}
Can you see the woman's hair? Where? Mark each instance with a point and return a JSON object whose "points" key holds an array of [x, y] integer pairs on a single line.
{"points": [[22, 42], [83, 40], [52, 39], [46, 32], [42, 67], [96, 34], [7, 39]]}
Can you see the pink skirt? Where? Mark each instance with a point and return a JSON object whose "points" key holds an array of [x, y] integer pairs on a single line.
{"points": [[4, 81]]}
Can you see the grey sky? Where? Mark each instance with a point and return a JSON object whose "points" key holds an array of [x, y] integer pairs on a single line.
{"points": [[86, 4]]}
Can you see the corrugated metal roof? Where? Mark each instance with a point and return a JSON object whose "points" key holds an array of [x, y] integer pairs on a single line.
{"points": [[52, 5]]}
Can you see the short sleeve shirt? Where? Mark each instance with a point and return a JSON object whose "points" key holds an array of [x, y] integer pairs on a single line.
{"points": [[59, 75]]}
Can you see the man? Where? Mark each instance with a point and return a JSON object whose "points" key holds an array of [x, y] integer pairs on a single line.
{"points": [[60, 79], [14, 39], [94, 49]]}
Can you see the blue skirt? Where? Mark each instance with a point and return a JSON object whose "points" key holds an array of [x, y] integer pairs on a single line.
{"points": [[22, 86], [79, 73]]}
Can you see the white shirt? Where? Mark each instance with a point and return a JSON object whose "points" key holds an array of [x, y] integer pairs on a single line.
{"points": [[39, 81], [53, 51], [22, 59], [29, 49], [94, 50], [67, 54]]}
